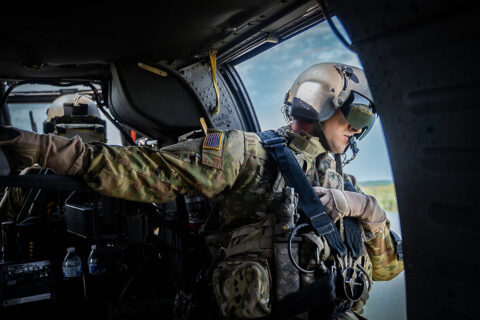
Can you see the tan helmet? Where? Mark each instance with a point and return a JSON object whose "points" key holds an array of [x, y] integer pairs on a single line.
{"points": [[75, 114], [325, 87]]}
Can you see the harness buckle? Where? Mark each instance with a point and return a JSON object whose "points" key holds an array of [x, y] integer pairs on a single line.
{"points": [[351, 278], [274, 142], [321, 223]]}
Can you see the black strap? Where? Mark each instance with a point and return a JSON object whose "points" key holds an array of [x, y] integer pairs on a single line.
{"points": [[353, 231], [398, 245], [309, 202]]}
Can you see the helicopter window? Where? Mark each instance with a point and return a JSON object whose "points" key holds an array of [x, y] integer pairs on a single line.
{"points": [[267, 78], [28, 105]]}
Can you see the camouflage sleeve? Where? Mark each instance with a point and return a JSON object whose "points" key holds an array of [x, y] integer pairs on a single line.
{"points": [[351, 178], [148, 175], [381, 249]]}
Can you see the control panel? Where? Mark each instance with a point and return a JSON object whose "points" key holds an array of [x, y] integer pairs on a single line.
{"points": [[26, 282]]}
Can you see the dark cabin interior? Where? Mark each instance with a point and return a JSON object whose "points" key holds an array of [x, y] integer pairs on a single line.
{"points": [[419, 57]]}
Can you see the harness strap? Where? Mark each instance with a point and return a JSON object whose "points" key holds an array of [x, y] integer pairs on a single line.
{"points": [[321, 244], [251, 228], [398, 245], [311, 206], [213, 62], [249, 246], [353, 231]]}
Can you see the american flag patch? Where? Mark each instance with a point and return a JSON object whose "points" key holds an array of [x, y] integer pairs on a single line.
{"points": [[213, 141]]}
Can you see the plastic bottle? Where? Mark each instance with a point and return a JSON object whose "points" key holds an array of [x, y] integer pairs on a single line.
{"points": [[196, 211], [93, 264], [72, 265]]}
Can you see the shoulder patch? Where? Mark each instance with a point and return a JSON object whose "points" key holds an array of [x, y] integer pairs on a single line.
{"points": [[213, 141]]}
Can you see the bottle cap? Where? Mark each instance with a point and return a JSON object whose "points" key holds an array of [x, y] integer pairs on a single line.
{"points": [[70, 249], [94, 246]]}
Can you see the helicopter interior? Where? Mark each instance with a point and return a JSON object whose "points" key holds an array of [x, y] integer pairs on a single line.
{"points": [[150, 68]]}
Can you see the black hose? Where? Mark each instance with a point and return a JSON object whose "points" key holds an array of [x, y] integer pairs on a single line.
{"points": [[333, 27], [125, 135]]}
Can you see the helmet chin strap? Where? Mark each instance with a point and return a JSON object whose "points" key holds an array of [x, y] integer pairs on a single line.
{"points": [[321, 136], [352, 144]]}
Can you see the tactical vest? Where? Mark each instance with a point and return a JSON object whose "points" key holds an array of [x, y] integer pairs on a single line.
{"points": [[254, 269]]}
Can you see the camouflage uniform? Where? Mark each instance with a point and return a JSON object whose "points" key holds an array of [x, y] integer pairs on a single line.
{"points": [[234, 170], [237, 173]]}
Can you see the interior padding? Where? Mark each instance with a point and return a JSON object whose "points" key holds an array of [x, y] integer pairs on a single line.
{"points": [[158, 105]]}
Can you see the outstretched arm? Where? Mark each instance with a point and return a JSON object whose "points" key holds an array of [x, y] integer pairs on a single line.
{"points": [[134, 173]]}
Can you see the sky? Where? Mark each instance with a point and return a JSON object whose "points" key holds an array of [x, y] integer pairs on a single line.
{"points": [[269, 75]]}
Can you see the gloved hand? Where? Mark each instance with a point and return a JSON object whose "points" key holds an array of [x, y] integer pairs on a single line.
{"points": [[341, 204], [26, 148]]}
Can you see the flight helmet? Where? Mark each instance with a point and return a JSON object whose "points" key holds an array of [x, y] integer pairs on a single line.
{"points": [[75, 115], [325, 87]]}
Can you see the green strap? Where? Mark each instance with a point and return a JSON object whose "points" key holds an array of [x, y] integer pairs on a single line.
{"points": [[249, 246]]}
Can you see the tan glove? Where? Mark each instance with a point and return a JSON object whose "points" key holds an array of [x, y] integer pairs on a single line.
{"points": [[341, 204], [25, 148]]}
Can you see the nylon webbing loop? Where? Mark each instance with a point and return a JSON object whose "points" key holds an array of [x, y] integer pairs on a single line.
{"points": [[353, 231], [213, 62], [249, 246], [309, 202]]}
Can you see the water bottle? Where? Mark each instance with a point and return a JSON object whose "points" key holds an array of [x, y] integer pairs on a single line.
{"points": [[93, 263], [196, 211], [72, 265]]}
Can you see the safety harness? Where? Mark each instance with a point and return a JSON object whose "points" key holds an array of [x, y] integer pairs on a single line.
{"points": [[312, 208], [351, 277]]}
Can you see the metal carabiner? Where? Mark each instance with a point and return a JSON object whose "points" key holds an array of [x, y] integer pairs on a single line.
{"points": [[320, 263], [352, 278], [290, 251]]}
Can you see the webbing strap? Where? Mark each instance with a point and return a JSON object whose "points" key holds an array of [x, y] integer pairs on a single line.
{"points": [[309, 202], [250, 230], [353, 231], [249, 246], [213, 62]]}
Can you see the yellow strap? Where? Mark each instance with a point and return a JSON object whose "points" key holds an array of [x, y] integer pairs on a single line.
{"points": [[152, 69], [204, 125], [213, 62]]}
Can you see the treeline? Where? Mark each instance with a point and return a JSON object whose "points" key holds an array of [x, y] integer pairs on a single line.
{"points": [[383, 191]]}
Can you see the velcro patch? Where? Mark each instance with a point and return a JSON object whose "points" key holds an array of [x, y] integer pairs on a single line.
{"points": [[213, 141]]}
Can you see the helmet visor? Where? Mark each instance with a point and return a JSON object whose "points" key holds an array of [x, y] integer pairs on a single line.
{"points": [[360, 113]]}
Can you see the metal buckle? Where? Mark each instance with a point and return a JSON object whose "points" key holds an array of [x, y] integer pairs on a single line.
{"points": [[351, 278], [273, 142], [319, 225]]}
